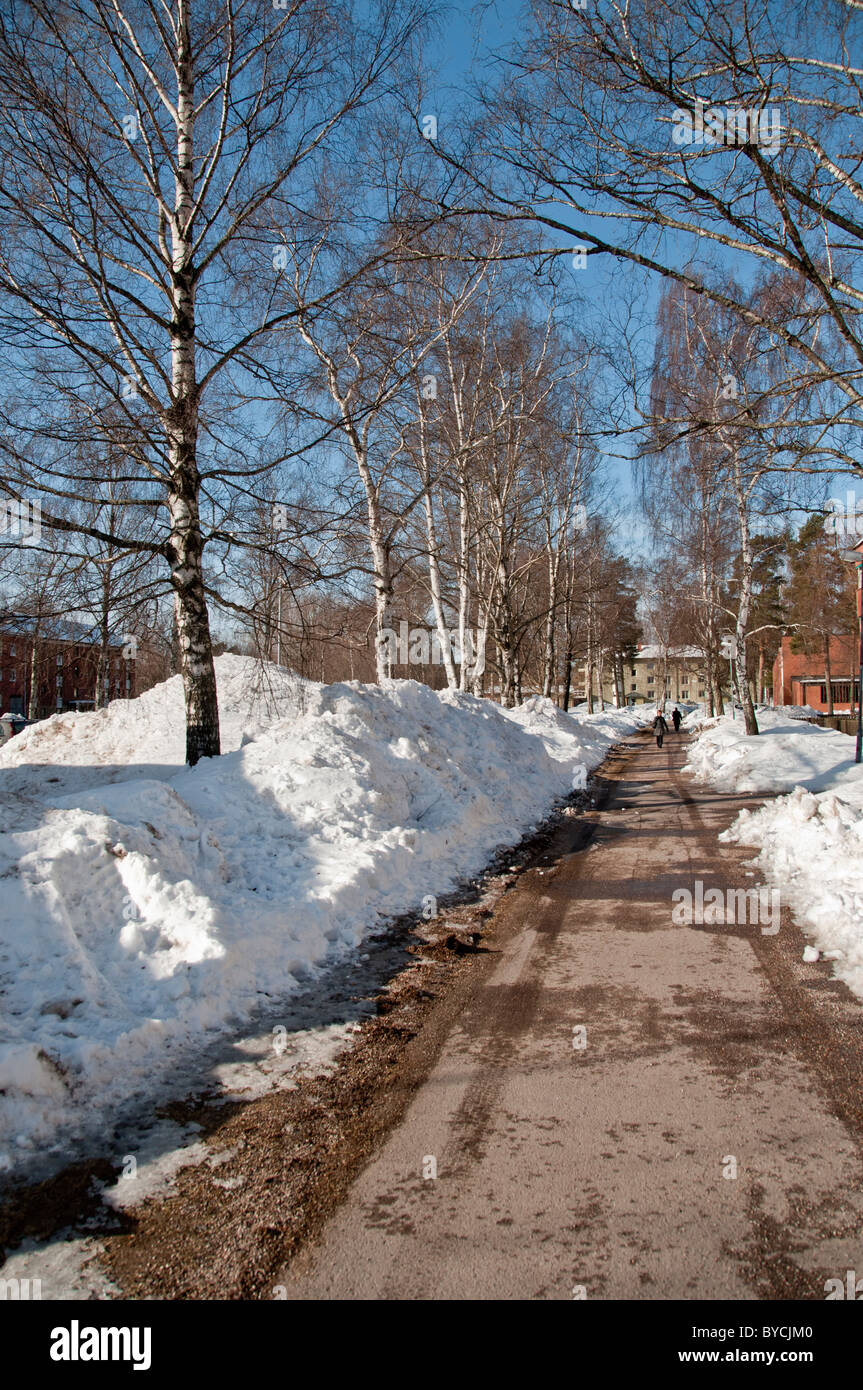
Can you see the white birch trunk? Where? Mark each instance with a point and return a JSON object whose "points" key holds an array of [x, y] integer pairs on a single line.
{"points": [[185, 546], [747, 565]]}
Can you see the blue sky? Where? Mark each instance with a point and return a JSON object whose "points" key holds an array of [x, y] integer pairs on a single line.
{"points": [[467, 39]]}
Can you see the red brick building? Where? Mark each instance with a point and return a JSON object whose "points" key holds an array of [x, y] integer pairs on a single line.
{"points": [[62, 659], [800, 679]]}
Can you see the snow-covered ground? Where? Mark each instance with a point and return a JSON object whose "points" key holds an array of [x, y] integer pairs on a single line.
{"points": [[147, 908], [811, 839]]}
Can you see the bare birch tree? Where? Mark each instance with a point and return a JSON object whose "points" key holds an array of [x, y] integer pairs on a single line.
{"points": [[152, 153], [685, 139]]}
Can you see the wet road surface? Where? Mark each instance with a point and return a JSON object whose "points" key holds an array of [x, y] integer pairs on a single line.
{"points": [[621, 1105]]}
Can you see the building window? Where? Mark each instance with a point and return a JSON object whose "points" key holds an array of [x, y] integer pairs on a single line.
{"points": [[60, 659], [841, 692]]}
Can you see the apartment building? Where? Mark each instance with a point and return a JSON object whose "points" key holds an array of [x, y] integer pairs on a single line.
{"points": [[61, 659]]}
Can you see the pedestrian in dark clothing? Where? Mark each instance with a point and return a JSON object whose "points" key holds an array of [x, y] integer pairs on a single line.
{"points": [[660, 728], [675, 719]]}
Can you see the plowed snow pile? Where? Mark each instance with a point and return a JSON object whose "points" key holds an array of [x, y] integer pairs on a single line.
{"points": [[145, 904], [811, 840]]}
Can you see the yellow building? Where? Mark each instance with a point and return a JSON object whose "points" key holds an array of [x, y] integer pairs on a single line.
{"points": [[684, 670]]}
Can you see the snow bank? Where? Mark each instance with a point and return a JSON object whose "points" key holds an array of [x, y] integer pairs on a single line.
{"points": [[810, 840], [146, 736], [786, 754], [146, 905]]}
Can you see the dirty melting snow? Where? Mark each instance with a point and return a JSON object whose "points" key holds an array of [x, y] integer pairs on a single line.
{"points": [[810, 840], [146, 905]]}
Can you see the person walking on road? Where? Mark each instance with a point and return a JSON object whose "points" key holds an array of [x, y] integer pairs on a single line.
{"points": [[675, 719], [660, 728]]}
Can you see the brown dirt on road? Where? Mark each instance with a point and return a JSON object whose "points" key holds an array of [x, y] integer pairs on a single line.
{"points": [[296, 1153], [706, 1141]]}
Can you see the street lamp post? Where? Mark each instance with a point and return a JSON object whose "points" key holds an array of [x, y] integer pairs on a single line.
{"points": [[856, 557]]}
